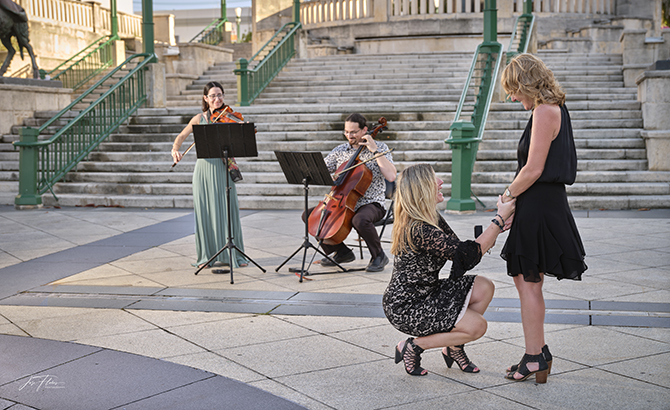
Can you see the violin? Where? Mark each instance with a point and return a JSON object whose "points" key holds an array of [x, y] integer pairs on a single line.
{"points": [[219, 115], [225, 114], [330, 221]]}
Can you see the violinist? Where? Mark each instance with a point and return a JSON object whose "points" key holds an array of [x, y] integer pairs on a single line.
{"points": [[370, 207], [209, 190]]}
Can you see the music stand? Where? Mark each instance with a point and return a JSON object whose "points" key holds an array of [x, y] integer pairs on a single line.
{"points": [[305, 168], [224, 140]]}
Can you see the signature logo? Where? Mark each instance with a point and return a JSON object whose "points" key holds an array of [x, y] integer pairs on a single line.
{"points": [[43, 382]]}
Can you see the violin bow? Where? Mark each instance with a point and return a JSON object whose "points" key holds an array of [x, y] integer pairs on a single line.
{"points": [[363, 162], [193, 143]]}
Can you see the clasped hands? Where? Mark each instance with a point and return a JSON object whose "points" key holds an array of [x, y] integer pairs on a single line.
{"points": [[506, 211]]}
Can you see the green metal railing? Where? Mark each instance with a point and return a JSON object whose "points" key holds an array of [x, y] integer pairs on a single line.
{"points": [[213, 34], [473, 109], [42, 163], [86, 64], [478, 89], [252, 81], [523, 28]]}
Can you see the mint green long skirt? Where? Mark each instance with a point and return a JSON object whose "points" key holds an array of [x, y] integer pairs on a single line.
{"points": [[209, 203]]}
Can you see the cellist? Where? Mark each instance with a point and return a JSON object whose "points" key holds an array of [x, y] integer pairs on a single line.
{"points": [[209, 195], [370, 207]]}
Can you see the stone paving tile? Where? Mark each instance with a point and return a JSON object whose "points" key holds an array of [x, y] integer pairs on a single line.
{"points": [[478, 399], [585, 389], [215, 363], [78, 324], [281, 390], [275, 359], [654, 369], [242, 331], [156, 343], [7, 260], [378, 385]]}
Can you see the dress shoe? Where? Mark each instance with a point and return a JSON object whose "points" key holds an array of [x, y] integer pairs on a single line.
{"points": [[345, 257], [377, 265]]}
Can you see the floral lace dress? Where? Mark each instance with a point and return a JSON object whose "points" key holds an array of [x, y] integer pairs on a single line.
{"points": [[417, 302]]}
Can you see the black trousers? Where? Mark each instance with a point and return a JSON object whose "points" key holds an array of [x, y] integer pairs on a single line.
{"points": [[364, 222]]}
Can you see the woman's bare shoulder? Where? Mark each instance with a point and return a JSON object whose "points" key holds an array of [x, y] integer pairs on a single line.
{"points": [[547, 112], [196, 119]]}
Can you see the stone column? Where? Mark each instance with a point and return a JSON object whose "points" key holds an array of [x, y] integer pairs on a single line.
{"points": [[637, 56], [154, 81], [654, 93], [380, 11], [119, 51]]}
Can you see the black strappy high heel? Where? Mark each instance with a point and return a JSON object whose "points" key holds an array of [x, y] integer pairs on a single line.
{"points": [[540, 374], [411, 358], [458, 355], [547, 358]]}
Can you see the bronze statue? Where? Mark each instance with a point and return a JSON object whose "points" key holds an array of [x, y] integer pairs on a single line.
{"points": [[14, 23]]}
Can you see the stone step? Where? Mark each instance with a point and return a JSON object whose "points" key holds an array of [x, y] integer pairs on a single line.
{"points": [[183, 174], [283, 189], [133, 167], [277, 202]]}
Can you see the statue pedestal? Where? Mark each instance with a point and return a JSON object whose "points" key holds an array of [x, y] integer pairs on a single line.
{"points": [[21, 97]]}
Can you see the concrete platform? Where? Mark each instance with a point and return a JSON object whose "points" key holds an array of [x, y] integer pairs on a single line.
{"points": [[100, 309]]}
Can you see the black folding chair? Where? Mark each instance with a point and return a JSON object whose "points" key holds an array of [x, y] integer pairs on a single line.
{"points": [[386, 220]]}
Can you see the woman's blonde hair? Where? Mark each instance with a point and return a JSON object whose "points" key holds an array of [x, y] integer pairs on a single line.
{"points": [[528, 75], [414, 203]]}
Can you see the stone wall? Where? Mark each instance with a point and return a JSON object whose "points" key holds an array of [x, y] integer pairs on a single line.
{"points": [[654, 93], [187, 61], [19, 102]]}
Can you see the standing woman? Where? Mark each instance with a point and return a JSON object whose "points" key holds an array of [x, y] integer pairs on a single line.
{"points": [[543, 239], [443, 313], [209, 192]]}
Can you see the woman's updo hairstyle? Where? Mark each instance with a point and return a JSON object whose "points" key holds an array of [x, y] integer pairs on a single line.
{"points": [[528, 75]]}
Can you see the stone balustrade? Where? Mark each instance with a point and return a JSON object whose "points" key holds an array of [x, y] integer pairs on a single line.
{"points": [[320, 13], [83, 15]]}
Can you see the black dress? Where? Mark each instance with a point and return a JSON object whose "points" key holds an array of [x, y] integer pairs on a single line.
{"points": [[416, 301], [543, 236]]}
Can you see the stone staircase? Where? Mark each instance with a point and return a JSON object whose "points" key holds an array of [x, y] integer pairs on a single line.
{"points": [[304, 109], [192, 95]]}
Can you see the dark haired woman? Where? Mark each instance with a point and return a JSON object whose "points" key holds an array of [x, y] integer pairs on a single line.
{"points": [[209, 193], [543, 239]]}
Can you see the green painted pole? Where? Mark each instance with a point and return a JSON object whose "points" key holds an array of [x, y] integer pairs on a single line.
{"points": [[115, 19], [296, 11], [528, 7], [463, 148], [242, 82], [461, 167], [28, 159], [490, 21], [224, 11], [148, 26]]}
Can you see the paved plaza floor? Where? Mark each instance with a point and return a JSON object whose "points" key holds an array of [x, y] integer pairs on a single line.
{"points": [[100, 309]]}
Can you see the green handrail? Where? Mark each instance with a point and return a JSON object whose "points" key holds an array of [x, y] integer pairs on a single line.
{"points": [[211, 35], [478, 90], [252, 81], [466, 133], [77, 71], [42, 163], [518, 43]]}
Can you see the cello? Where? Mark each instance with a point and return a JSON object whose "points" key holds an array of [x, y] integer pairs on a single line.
{"points": [[330, 221]]}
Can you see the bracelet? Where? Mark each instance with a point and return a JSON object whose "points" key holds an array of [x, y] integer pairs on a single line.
{"points": [[495, 221], [502, 220], [508, 193]]}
